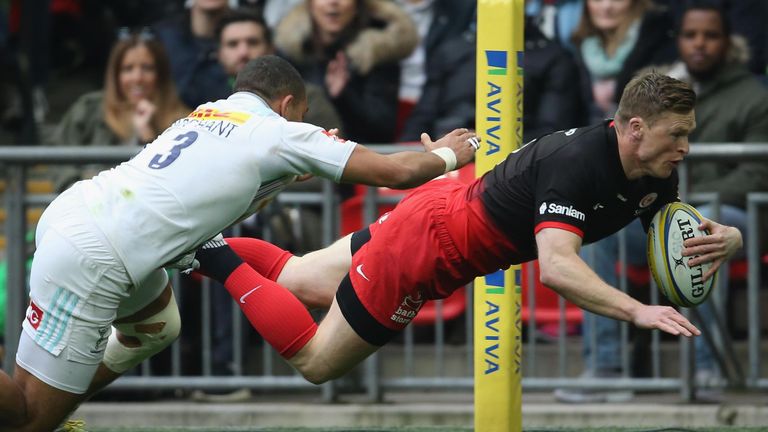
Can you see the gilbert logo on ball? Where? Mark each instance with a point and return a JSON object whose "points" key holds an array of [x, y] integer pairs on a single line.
{"points": [[671, 226]]}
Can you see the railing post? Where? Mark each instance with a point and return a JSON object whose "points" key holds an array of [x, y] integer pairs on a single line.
{"points": [[754, 201], [330, 221], [372, 367], [16, 277]]}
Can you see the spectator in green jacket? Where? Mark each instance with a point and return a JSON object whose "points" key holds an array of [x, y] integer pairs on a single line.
{"points": [[732, 104], [139, 101]]}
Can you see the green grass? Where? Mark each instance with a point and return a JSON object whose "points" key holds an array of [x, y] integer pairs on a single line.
{"points": [[239, 429], [427, 429]]}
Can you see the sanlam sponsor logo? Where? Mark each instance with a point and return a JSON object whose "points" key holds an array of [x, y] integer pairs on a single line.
{"points": [[553, 208]]}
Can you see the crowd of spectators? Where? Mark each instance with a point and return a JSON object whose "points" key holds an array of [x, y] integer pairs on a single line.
{"points": [[371, 59], [380, 71]]}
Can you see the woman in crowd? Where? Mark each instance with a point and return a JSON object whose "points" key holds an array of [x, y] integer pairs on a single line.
{"points": [[615, 39], [137, 103]]}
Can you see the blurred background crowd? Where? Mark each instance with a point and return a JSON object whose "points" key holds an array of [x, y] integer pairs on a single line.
{"points": [[381, 70], [95, 73]]}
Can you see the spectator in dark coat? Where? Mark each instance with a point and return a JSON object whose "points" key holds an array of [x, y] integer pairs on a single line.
{"points": [[351, 48], [551, 103], [189, 41], [436, 21]]}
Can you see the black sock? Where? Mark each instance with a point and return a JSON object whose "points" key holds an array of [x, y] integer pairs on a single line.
{"points": [[217, 260]]}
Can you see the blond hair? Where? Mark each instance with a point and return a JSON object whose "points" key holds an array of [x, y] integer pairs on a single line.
{"points": [[650, 94]]}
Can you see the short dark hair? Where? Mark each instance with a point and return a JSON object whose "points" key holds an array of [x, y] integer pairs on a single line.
{"points": [[271, 77], [649, 95], [243, 15], [716, 6]]}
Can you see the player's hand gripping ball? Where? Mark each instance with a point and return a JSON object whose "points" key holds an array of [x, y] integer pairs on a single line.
{"points": [[670, 227]]}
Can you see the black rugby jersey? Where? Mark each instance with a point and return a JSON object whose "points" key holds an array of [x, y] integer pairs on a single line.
{"points": [[572, 180]]}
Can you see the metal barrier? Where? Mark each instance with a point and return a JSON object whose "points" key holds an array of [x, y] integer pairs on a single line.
{"points": [[405, 363]]}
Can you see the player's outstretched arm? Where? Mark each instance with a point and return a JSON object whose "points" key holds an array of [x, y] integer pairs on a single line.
{"points": [[564, 271], [722, 242], [457, 141], [409, 169]]}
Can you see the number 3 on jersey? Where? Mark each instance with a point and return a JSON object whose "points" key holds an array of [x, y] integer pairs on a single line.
{"points": [[162, 160]]}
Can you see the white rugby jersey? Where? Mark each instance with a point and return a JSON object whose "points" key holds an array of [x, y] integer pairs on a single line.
{"points": [[203, 174]]}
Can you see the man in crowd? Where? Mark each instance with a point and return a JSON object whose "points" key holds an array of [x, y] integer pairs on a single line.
{"points": [[243, 36]]}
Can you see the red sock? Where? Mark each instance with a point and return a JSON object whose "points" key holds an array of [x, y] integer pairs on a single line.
{"points": [[272, 310], [264, 257]]}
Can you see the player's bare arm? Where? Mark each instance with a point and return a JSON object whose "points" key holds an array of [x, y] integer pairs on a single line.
{"points": [[717, 247], [564, 271], [408, 169]]}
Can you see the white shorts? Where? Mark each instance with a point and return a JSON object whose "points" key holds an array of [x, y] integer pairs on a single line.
{"points": [[77, 289]]}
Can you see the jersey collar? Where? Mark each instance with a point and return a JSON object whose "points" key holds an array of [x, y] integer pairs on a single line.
{"points": [[250, 102], [613, 152]]}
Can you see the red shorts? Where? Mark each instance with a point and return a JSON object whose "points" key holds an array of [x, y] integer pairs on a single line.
{"points": [[435, 241]]}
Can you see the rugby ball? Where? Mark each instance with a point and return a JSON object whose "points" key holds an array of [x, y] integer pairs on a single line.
{"points": [[670, 227]]}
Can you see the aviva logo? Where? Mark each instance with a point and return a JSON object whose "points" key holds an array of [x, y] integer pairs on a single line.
{"points": [[497, 62], [495, 282], [214, 114]]}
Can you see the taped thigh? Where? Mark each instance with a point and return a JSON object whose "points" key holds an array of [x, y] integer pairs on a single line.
{"points": [[144, 338]]}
